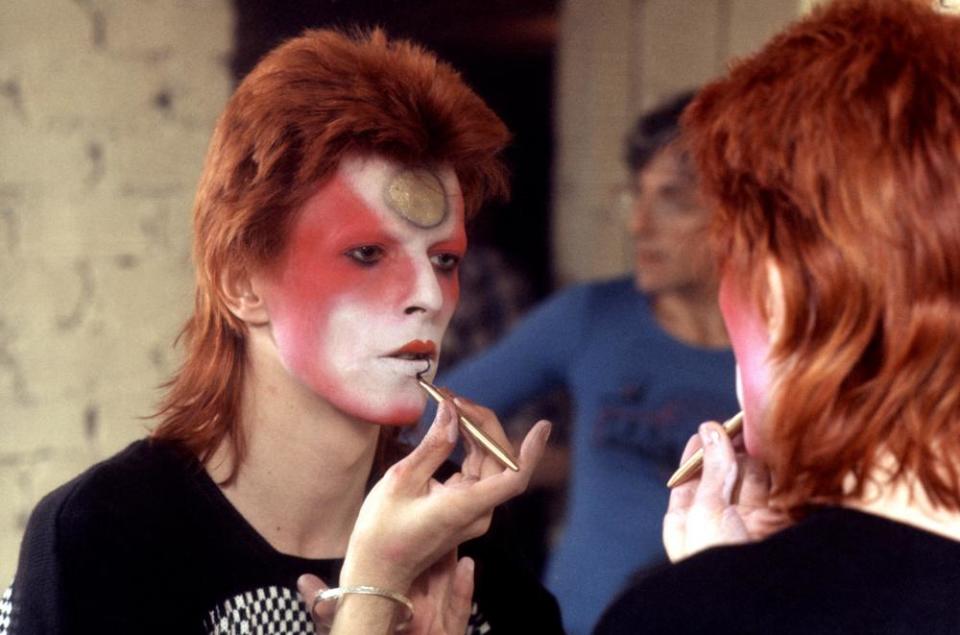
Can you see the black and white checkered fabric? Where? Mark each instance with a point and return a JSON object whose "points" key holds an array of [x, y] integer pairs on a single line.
{"points": [[261, 612], [477, 624], [267, 611], [6, 608]]}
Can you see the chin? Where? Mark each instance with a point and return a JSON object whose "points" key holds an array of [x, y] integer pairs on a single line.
{"points": [[649, 287], [401, 417], [400, 412]]}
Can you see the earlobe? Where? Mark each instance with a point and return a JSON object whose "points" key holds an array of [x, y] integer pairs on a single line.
{"points": [[241, 292]]}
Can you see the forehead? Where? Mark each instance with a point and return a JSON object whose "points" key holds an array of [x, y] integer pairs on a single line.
{"points": [[410, 197], [375, 195], [668, 166]]}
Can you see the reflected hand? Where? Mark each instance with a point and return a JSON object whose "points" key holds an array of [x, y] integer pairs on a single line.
{"points": [[728, 503]]}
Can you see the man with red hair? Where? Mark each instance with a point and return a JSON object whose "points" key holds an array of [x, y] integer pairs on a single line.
{"points": [[831, 158], [329, 224]]}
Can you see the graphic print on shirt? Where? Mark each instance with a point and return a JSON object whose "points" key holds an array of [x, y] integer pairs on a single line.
{"points": [[276, 609], [630, 420]]}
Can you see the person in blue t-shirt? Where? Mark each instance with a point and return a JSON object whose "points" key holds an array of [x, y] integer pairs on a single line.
{"points": [[644, 358]]}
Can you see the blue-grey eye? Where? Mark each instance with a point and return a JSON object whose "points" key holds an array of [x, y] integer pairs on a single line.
{"points": [[366, 254], [445, 261]]}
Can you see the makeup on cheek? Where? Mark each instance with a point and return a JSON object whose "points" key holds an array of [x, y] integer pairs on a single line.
{"points": [[750, 340]]}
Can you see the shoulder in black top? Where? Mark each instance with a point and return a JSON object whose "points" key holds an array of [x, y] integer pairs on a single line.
{"points": [[837, 571]]}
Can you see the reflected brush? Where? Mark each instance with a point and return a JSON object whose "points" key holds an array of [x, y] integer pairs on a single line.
{"points": [[471, 428], [693, 465]]}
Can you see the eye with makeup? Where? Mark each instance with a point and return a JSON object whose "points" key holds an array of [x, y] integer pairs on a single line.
{"points": [[446, 262], [366, 255]]}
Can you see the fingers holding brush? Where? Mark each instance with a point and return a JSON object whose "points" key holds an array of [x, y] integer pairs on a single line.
{"points": [[726, 502], [473, 430], [702, 512], [681, 498]]}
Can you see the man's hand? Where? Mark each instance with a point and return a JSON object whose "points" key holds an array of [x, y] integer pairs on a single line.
{"points": [[442, 599], [409, 520]]}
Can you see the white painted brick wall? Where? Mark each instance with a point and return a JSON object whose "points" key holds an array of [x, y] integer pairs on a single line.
{"points": [[106, 107]]}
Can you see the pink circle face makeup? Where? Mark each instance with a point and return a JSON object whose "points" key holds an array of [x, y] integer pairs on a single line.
{"points": [[367, 285], [750, 339]]}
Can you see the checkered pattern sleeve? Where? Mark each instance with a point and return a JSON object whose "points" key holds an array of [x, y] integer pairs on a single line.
{"points": [[6, 608]]}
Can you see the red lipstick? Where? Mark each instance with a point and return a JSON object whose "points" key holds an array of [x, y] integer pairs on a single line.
{"points": [[417, 347]]}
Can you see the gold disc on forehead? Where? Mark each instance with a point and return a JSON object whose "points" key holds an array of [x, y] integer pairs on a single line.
{"points": [[418, 196]]}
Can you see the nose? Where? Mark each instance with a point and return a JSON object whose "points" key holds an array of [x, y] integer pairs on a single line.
{"points": [[641, 217], [425, 296]]}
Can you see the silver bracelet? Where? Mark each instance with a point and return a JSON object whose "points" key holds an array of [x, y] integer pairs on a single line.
{"points": [[337, 593]]}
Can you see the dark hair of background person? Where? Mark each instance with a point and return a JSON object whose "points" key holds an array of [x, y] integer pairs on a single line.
{"points": [[655, 130]]}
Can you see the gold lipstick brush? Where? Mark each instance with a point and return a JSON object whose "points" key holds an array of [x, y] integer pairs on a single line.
{"points": [[473, 429], [692, 465]]}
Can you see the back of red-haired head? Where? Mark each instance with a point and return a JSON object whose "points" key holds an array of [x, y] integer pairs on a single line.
{"points": [[835, 153], [306, 105]]}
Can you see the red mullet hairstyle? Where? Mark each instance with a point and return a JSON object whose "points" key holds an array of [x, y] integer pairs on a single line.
{"points": [[307, 104], [835, 152]]}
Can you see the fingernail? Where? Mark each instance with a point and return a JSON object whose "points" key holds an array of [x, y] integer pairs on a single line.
{"points": [[549, 429], [707, 435]]}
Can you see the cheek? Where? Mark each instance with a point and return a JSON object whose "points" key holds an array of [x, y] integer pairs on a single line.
{"points": [[311, 288], [751, 347], [450, 286]]}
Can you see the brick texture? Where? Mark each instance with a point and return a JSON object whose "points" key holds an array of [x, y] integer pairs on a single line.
{"points": [[106, 107]]}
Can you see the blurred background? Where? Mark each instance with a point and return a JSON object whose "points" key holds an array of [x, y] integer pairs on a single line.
{"points": [[106, 107]]}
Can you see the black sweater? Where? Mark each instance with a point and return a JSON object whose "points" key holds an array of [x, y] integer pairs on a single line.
{"points": [[145, 542]]}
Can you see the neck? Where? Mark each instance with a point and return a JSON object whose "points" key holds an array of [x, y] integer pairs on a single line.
{"points": [[905, 501], [692, 316], [303, 478]]}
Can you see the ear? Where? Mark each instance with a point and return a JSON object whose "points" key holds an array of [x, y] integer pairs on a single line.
{"points": [[241, 292], [775, 302]]}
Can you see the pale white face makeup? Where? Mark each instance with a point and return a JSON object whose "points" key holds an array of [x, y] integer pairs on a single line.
{"points": [[367, 285]]}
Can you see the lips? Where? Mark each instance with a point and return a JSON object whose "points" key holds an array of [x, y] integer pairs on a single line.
{"points": [[415, 350]]}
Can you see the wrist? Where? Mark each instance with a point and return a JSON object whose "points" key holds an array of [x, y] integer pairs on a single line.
{"points": [[365, 564], [368, 609], [375, 573]]}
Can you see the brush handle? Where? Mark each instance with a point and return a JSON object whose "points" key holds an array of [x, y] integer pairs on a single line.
{"points": [[475, 432], [692, 465]]}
